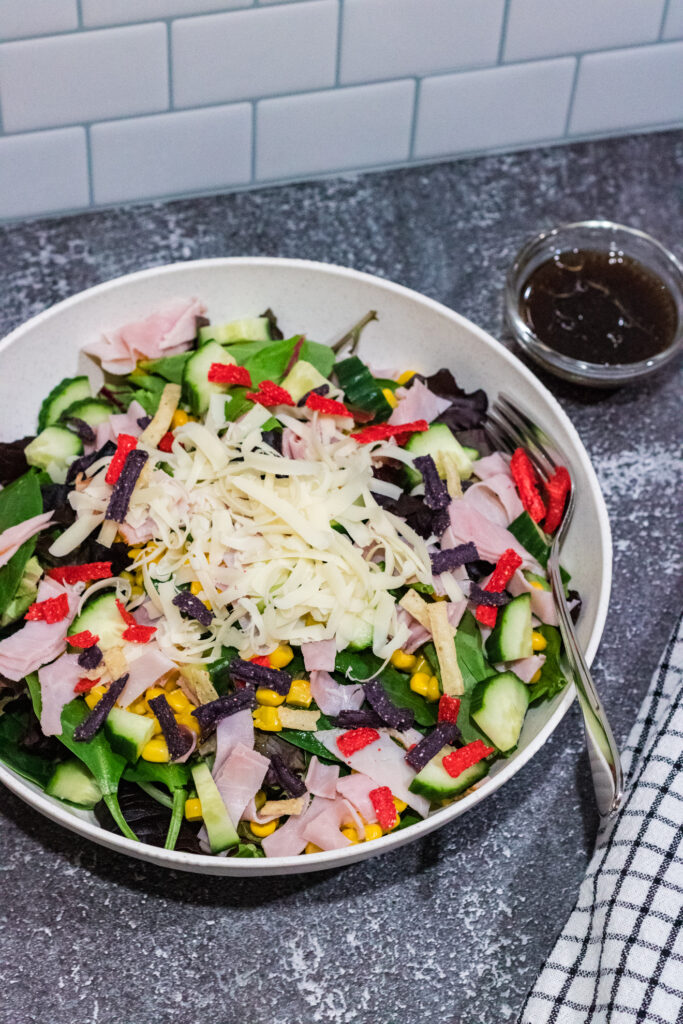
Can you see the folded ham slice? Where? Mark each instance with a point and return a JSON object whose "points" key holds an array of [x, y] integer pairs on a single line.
{"points": [[288, 840], [417, 403], [526, 668], [356, 789], [496, 498], [324, 829], [57, 682], [321, 779], [38, 643], [166, 332], [239, 779], [13, 537], [491, 465], [319, 656], [231, 731], [542, 601], [333, 697], [491, 539], [144, 671]]}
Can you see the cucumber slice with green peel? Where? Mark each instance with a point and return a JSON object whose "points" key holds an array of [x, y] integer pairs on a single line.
{"points": [[101, 617], [248, 328], [91, 410], [72, 782], [197, 389], [53, 449], [498, 707], [471, 453], [68, 391], [303, 377], [511, 636], [361, 388], [357, 631], [434, 782], [438, 439], [219, 827], [128, 733], [531, 537]]}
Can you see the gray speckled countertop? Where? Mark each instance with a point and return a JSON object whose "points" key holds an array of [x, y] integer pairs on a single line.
{"points": [[451, 929]]}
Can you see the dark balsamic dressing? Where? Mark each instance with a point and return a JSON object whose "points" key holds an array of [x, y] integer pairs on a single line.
{"points": [[600, 307]]}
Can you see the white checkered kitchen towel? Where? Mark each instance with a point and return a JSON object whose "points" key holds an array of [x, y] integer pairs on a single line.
{"points": [[619, 958]]}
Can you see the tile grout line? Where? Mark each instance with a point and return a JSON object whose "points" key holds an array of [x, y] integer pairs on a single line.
{"points": [[572, 94], [340, 29], [503, 31], [88, 159], [665, 14], [413, 126]]}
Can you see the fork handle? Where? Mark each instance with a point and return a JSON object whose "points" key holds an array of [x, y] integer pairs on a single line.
{"points": [[603, 753]]}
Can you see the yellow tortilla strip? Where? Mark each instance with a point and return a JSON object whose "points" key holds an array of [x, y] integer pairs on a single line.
{"points": [[107, 533], [161, 421], [442, 635], [417, 607], [453, 485], [279, 807], [291, 718], [195, 682]]}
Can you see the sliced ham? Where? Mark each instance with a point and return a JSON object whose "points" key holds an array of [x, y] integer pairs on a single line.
{"points": [[231, 731], [13, 537], [166, 332], [384, 762], [239, 779], [491, 539], [321, 779], [38, 643], [333, 697], [293, 446], [496, 498], [288, 840], [127, 422], [324, 829], [144, 671], [140, 535], [57, 682], [356, 789], [319, 656], [491, 465], [417, 403], [526, 668], [417, 634], [542, 601]]}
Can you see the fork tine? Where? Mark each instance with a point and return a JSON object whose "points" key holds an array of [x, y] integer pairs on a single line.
{"points": [[531, 432], [499, 434], [522, 438]]}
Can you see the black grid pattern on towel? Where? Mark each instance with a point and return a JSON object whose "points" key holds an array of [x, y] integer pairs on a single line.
{"points": [[619, 957]]}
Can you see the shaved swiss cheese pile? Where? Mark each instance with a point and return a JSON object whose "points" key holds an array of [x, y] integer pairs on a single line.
{"points": [[257, 531]]}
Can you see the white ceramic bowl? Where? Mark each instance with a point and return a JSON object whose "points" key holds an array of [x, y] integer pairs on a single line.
{"points": [[322, 301]]}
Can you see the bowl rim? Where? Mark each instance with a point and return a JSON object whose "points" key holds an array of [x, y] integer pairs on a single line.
{"points": [[580, 370], [245, 867]]}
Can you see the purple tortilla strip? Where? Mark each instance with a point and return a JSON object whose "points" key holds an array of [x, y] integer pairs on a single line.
{"points": [[144, 422], [321, 389], [192, 606], [90, 726], [395, 717], [429, 747], [81, 428], [209, 715], [125, 485], [288, 780], [436, 495], [453, 558], [85, 461], [177, 741], [489, 598], [260, 675], [90, 657], [350, 719]]}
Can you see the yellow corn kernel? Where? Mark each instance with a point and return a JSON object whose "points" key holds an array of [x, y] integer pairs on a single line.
{"points": [[264, 830], [390, 397], [433, 690], [538, 641], [312, 848], [350, 834], [134, 553], [300, 693], [195, 587], [536, 584], [394, 826], [179, 419], [403, 661], [193, 809], [400, 805], [179, 702], [129, 577], [269, 698], [406, 376], [156, 750], [281, 656], [267, 719], [310, 619], [422, 665], [138, 707], [151, 693], [373, 832], [419, 683], [535, 677], [189, 721], [93, 696]]}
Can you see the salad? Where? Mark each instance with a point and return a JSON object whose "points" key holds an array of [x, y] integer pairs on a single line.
{"points": [[258, 598]]}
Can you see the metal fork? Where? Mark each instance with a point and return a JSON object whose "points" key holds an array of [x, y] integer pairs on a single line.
{"points": [[510, 428]]}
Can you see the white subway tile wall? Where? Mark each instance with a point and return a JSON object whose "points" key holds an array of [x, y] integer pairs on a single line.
{"points": [[109, 101]]}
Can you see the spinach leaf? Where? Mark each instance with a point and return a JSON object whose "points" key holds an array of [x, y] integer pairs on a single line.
{"points": [[169, 367], [13, 726], [248, 850], [173, 776], [306, 740], [271, 361], [474, 668], [362, 665], [552, 678], [19, 501]]}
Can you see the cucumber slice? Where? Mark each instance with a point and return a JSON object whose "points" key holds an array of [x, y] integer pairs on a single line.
{"points": [[533, 577], [439, 438], [357, 631], [197, 390], [531, 537], [361, 388], [102, 618], [435, 783], [68, 391], [511, 637], [71, 781], [471, 453], [52, 450], [498, 707], [128, 733], [91, 410], [219, 827], [303, 377], [248, 328]]}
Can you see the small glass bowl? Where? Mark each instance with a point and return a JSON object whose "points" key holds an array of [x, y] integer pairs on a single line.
{"points": [[602, 236]]}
